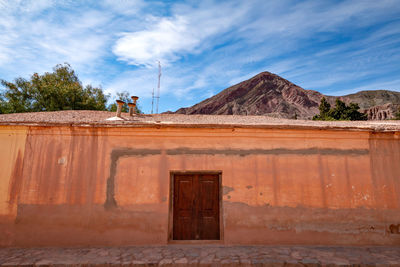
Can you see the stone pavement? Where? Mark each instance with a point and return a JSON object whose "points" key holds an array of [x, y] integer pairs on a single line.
{"points": [[204, 255]]}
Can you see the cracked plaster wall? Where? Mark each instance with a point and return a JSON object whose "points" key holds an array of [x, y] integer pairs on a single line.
{"points": [[73, 186]]}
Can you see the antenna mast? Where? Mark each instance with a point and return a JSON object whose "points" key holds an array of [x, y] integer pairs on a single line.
{"points": [[158, 86], [152, 101]]}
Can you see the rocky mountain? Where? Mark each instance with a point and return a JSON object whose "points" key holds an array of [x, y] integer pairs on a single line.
{"points": [[272, 95], [378, 104], [368, 99], [382, 112]]}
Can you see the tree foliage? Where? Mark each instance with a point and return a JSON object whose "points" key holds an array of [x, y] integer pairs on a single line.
{"points": [[340, 112], [324, 108], [58, 90]]}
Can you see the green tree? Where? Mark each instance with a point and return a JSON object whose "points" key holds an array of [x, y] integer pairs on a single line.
{"points": [[324, 108], [352, 113], [58, 90], [340, 112]]}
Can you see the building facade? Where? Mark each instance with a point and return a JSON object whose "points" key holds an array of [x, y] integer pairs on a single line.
{"points": [[159, 180]]}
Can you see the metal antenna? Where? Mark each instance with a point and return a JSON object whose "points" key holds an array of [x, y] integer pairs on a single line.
{"points": [[158, 86], [152, 101]]}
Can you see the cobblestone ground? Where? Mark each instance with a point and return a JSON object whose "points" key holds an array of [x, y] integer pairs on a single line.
{"points": [[189, 255]]}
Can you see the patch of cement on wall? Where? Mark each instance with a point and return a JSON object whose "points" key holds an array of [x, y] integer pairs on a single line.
{"points": [[249, 187], [276, 151], [227, 189], [132, 152], [93, 216], [80, 225], [116, 154], [302, 219]]}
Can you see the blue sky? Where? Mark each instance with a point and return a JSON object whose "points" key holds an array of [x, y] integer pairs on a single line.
{"points": [[335, 47]]}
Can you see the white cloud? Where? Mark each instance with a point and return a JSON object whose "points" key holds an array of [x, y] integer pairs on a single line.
{"points": [[162, 42], [169, 38], [32, 43]]}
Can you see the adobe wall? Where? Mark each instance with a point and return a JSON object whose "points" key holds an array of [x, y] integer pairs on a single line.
{"points": [[84, 186]]}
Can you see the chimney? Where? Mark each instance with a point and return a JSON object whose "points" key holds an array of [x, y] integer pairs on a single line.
{"points": [[131, 108], [134, 99], [120, 103]]}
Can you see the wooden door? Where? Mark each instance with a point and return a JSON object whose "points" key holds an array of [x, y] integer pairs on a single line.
{"points": [[196, 207]]}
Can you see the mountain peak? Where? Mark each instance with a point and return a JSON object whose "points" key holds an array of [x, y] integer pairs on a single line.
{"points": [[269, 94], [264, 94]]}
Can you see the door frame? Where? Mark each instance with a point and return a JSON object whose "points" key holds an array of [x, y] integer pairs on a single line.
{"points": [[171, 208]]}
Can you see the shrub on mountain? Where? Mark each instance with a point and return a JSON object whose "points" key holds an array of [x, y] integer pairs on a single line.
{"points": [[340, 112]]}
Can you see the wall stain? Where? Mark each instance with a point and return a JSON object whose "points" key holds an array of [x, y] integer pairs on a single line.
{"points": [[276, 185], [385, 174], [322, 182], [394, 229], [249, 187], [16, 180], [131, 152], [163, 170]]}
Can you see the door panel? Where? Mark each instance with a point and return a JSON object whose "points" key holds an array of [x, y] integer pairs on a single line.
{"points": [[207, 200], [208, 221], [209, 228], [183, 207], [196, 207]]}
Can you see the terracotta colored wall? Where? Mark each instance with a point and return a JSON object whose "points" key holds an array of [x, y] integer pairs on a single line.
{"points": [[71, 186], [12, 146]]}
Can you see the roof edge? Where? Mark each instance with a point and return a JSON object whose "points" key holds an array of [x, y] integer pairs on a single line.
{"points": [[367, 128]]}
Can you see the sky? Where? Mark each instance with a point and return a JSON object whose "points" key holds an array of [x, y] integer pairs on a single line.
{"points": [[334, 47]]}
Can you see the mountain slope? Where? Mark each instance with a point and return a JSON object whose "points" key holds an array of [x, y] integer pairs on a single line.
{"points": [[264, 94], [272, 95], [368, 99]]}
